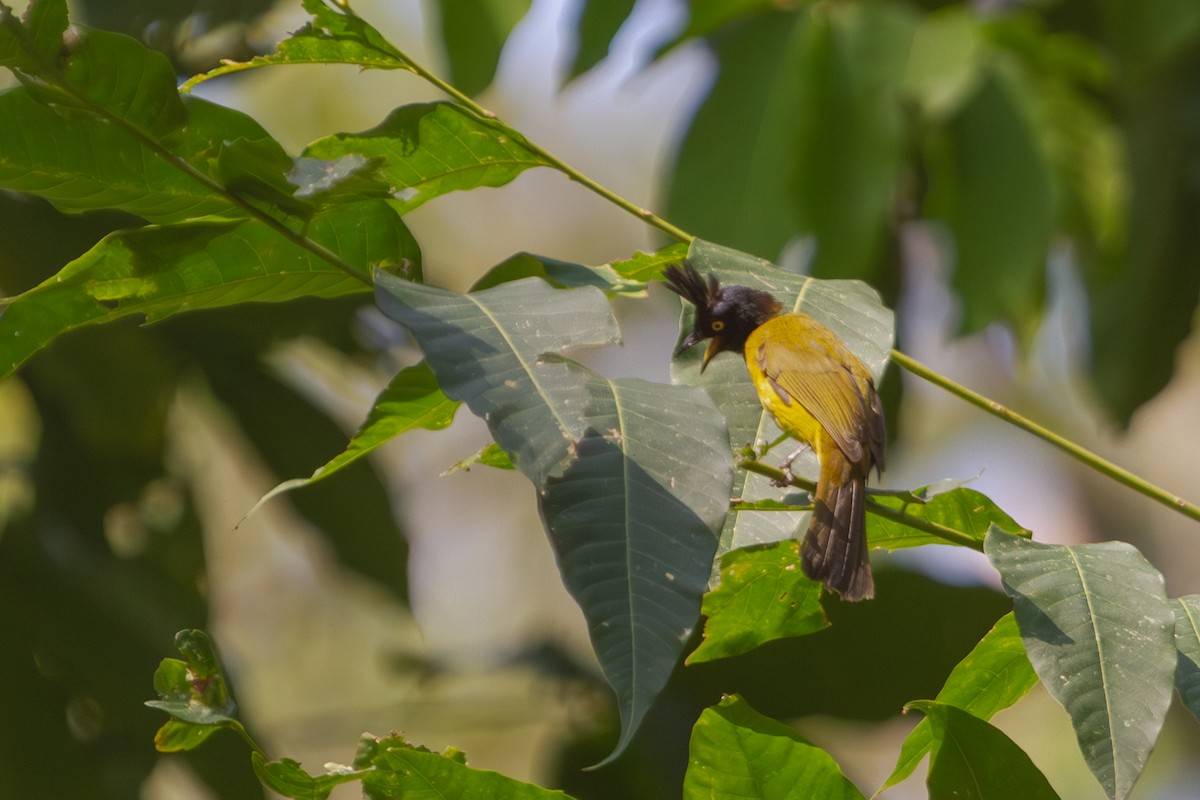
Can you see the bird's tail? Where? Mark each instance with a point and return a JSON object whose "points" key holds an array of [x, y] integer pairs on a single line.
{"points": [[835, 547]]}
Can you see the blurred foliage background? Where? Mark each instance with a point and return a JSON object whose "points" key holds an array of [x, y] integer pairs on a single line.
{"points": [[1021, 179]]}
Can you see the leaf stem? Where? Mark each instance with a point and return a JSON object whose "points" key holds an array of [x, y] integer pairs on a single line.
{"points": [[926, 526], [644, 214], [1078, 452]]}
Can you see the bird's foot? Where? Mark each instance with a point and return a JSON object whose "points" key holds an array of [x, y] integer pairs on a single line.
{"points": [[786, 466]]}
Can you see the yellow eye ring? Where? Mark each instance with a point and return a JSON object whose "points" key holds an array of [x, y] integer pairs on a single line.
{"points": [[717, 325]]}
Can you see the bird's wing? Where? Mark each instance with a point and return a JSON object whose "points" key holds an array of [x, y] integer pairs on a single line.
{"points": [[806, 363]]}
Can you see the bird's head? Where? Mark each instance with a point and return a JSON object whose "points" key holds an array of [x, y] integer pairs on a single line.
{"points": [[725, 315]]}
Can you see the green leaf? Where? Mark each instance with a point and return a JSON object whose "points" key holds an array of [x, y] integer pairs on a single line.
{"points": [[486, 350], [392, 769], [850, 308], [163, 270], [993, 676], [411, 401], [971, 759], [737, 752], [429, 149], [194, 692], [117, 74], [632, 476], [944, 65], [1099, 630], [490, 455], [753, 101], [288, 779], [599, 21], [990, 181], [1187, 642], [39, 41], [336, 35], [474, 32], [964, 510], [709, 16], [646, 267], [560, 274], [763, 596]]}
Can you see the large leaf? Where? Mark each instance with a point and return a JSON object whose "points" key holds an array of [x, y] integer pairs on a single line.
{"points": [[990, 181], [36, 40], [429, 149], [847, 151], [89, 165], [753, 103], [993, 676], [850, 308], [737, 752], [970, 758], [1187, 642], [163, 270], [1099, 631], [763, 596], [632, 477]]}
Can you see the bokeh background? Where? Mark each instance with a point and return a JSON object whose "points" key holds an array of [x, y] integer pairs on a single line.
{"points": [[1021, 180]]}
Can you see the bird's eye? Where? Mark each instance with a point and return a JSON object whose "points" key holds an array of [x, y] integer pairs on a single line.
{"points": [[717, 325]]}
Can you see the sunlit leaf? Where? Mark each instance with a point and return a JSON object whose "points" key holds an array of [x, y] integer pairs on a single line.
{"points": [[970, 758], [411, 401], [336, 35], [193, 692], [993, 676], [737, 752], [1100, 632], [288, 779], [158, 271], [490, 455], [429, 149], [763, 595], [962, 509], [393, 769], [91, 165]]}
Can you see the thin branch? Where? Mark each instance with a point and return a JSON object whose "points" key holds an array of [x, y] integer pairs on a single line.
{"points": [[926, 526], [1096, 462]]}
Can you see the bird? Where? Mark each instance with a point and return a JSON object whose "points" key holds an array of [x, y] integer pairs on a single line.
{"points": [[820, 394]]}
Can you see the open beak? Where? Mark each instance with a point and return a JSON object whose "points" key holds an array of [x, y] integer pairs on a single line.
{"points": [[693, 338]]}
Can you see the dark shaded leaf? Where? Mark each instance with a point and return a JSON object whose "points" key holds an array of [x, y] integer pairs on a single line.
{"points": [[290, 780], [1187, 642], [737, 752], [971, 759], [1099, 631], [474, 32], [993, 676], [632, 476], [599, 21]]}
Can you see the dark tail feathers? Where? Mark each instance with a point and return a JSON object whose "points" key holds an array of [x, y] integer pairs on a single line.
{"points": [[835, 547]]}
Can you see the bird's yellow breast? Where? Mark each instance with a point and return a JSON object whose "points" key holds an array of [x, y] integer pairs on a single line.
{"points": [[786, 332]]}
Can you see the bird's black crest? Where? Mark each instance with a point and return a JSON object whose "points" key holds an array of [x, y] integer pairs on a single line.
{"points": [[686, 282]]}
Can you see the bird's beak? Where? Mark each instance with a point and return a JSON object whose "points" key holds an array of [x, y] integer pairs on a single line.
{"points": [[714, 347]]}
